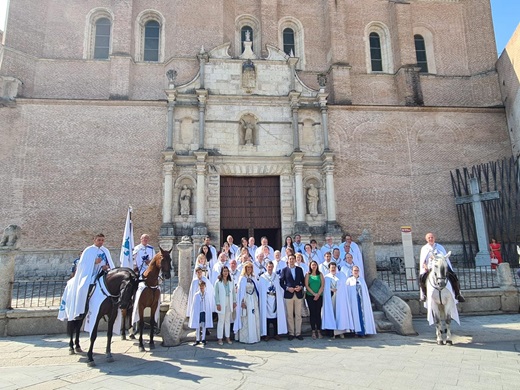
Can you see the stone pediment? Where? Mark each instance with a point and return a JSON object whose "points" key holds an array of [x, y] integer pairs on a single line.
{"points": [[221, 51]]}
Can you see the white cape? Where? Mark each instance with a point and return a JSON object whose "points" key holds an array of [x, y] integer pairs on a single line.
{"points": [[193, 290], [370, 325], [135, 312], [196, 309], [241, 292], [98, 297], [280, 305], [74, 297], [430, 303], [343, 318]]}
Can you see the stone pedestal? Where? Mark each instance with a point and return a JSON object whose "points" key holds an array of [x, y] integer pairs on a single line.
{"points": [[369, 257], [7, 257], [172, 326]]}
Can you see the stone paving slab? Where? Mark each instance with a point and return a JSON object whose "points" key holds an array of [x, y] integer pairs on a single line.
{"points": [[485, 355]]}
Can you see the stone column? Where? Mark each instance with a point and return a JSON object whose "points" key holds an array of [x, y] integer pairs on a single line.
{"points": [[202, 95], [328, 169], [322, 101], [299, 191], [369, 256], [167, 220], [294, 102], [200, 222], [172, 95], [172, 326]]}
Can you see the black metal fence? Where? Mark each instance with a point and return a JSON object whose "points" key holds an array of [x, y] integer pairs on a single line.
{"points": [[44, 292], [47, 292], [471, 278]]}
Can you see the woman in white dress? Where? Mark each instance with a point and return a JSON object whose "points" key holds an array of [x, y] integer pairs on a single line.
{"points": [[247, 322]]}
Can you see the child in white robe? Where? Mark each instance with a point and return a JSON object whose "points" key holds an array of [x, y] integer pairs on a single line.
{"points": [[201, 314]]}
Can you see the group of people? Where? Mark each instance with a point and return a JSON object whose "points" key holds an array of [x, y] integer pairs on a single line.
{"points": [[261, 293]]}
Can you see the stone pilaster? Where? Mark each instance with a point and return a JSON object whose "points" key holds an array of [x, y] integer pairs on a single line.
{"points": [[172, 96], [202, 96], [167, 220], [294, 98], [409, 86], [7, 257], [340, 87], [292, 61], [322, 101], [201, 166], [328, 170], [300, 225]]}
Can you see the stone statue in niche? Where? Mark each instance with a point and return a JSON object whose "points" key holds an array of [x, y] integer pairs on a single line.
{"points": [[185, 200], [248, 128], [10, 237], [313, 197]]}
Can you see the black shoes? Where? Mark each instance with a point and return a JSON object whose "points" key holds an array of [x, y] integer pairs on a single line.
{"points": [[299, 337], [291, 337]]}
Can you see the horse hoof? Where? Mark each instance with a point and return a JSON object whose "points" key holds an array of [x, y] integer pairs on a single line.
{"points": [[71, 351], [141, 349], [131, 337], [152, 346], [91, 363], [123, 337], [440, 342], [110, 359], [449, 342], [78, 350]]}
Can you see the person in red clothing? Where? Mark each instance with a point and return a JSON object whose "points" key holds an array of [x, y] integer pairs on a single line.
{"points": [[496, 255]]}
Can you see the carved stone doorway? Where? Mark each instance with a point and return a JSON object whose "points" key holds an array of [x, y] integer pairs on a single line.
{"points": [[250, 206]]}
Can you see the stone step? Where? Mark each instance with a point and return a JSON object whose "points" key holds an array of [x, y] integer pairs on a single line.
{"points": [[379, 316]]}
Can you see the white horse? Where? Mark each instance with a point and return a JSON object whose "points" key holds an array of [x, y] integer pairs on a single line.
{"points": [[441, 302]]}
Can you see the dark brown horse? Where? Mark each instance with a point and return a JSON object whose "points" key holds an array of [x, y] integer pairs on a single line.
{"points": [[121, 285], [150, 295]]}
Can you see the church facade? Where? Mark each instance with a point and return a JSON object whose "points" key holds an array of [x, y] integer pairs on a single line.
{"points": [[254, 117]]}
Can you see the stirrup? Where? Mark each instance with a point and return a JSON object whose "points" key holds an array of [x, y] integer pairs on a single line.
{"points": [[460, 298]]}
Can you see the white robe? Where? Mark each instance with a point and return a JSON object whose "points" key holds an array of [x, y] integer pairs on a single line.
{"points": [[426, 251], [197, 308], [368, 315], [339, 317], [206, 271], [252, 318], [215, 271], [74, 297], [193, 290], [97, 298], [324, 268], [264, 285], [260, 249], [135, 311], [141, 251], [279, 266]]}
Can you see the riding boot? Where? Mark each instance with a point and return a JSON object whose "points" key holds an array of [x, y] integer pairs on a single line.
{"points": [[422, 284], [455, 284]]}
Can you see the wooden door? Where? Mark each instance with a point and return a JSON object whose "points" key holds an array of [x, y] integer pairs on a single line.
{"points": [[252, 204]]}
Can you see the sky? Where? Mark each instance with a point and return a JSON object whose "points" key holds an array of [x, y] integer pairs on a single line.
{"points": [[506, 17]]}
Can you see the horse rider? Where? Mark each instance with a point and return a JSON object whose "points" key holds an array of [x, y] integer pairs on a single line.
{"points": [[431, 249], [143, 255]]}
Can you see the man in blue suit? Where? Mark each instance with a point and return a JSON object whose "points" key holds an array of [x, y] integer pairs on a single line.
{"points": [[292, 281]]}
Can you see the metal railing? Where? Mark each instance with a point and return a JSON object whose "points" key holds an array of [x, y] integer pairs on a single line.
{"points": [[471, 278], [45, 292]]}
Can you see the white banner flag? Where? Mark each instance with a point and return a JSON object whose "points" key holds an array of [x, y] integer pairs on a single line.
{"points": [[127, 247]]}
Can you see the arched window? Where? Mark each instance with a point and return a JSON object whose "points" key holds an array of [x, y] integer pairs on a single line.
{"points": [[378, 48], [152, 31], [291, 39], [289, 47], [376, 58], [251, 25], [420, 53], [244, 31], [102, 39], [149, 39], [98, 34]]}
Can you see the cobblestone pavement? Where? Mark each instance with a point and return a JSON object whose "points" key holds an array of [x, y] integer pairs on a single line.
{"points": [[485, 356]]}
